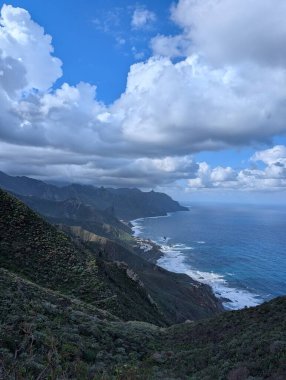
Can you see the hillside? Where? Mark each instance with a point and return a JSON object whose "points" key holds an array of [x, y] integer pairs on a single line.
{"points": [[45, 335], [104, 275], [178, 296], [74, 212], [37, 251], [60, 317], [125, 204]]}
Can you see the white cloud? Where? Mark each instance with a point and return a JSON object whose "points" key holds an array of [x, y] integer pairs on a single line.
{"points": [[171, 46], [167, 112], [229, 31], [23, 40], [142, 17], [272, 177], [164, 105], [275, 155]]}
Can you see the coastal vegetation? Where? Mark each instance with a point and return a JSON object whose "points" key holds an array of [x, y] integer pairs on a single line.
{"points": [[76, 305]]}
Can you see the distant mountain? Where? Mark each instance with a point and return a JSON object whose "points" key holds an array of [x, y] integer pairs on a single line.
{"points": [[124, 203], [73, 212]]}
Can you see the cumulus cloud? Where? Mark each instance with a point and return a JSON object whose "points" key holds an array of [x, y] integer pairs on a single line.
{"points": [[235, 30], [275, 155], [271, 177], [23, 40], [142, 17], [164, 105], [169, 110], [171, 46]]}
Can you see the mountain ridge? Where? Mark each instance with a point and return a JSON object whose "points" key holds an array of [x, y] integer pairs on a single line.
{"points": [[124, 203]]}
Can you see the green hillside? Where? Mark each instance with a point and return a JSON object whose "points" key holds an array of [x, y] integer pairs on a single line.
{"points": [[178, 296], [37, 251], [66, 314], [45, 335]]}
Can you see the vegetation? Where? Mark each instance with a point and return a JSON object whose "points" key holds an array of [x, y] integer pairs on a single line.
{"points": [[178, 296], [37, 251], [45, 335], [67, 314]]}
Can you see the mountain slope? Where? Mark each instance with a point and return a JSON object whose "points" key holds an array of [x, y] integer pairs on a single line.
{"points": [[177, 295], [74, 212], [45, 335], [126, 203], [34, 249], [51, 326]]}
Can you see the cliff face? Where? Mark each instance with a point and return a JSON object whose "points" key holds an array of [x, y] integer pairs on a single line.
{"points": [[125, 204]]}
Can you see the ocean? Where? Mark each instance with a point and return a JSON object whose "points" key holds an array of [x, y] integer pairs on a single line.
{"points": [[239, 250]]}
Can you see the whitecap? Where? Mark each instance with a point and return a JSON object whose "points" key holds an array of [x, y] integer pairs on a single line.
{"points": [[232, 298], [137, 227], [173, 259]]}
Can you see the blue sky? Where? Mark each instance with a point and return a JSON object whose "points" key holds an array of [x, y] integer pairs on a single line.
{"points": [[87, 35], [165, 95]]}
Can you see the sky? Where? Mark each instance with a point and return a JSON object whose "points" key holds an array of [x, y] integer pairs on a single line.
{"points": [[186, 97]]}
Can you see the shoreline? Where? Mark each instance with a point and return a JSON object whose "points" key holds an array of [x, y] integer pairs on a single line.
{"points": [[171, 257]]}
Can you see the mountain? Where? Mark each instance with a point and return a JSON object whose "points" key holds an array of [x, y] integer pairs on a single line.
{"points": [[67, 314], [125, 204], [74, 212]]}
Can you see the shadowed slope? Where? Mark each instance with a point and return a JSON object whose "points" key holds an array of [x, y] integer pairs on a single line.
{"points": [[32, 248], [177, 295], [46, 335], [60, 333]]}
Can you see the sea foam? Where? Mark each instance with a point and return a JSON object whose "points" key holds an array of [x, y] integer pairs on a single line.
{"points": [[233, 298], [173, 259]]}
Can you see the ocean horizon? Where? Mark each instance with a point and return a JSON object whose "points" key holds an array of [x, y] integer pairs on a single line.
{"points": [[237, 249]]}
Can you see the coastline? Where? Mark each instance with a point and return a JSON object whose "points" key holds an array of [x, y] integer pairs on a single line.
{"points": [[172, 258]]}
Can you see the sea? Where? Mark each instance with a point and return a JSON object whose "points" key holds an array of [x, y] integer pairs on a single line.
{"points": [[239, 250]]}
